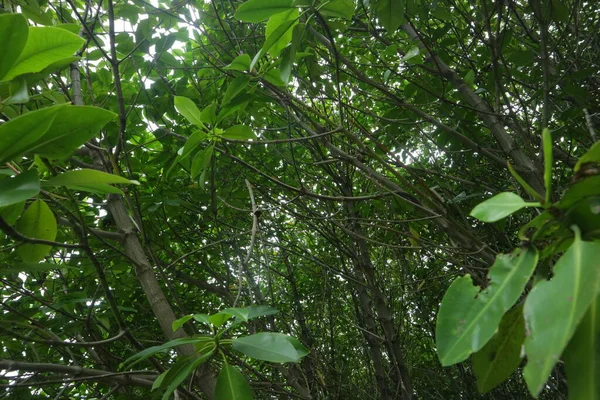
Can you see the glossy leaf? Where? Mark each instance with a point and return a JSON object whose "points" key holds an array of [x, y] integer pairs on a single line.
{"points": [[338, 8], [260, 311], [70, 129], [238, 132], [390, 14], [21, 134], [554, 309], [201, 161], [37, 222], [182, 369], [277, 39], [501, 356], [592, 155], [582, 357], [189, 110], [11, 213], [266, 346], [19, 188], [500, 206], [235, 87], [178, 323], [81, 178], [150, 351], [289, 56], [260, 10], [231, 385], [468, 316], [45, 46], [13, 36], [240, 63]]}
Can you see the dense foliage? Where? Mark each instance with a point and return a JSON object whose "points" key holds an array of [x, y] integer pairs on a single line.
{"points": [[273, 199]]}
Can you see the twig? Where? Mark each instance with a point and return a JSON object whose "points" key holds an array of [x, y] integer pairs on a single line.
{"points": [[244, 264]]}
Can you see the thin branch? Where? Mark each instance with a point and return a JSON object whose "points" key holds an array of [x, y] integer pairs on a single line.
{"points": [[244, 264]]}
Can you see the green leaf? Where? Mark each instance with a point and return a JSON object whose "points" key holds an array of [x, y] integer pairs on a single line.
{"points": [[240, 63], [19, 188], [150, 351], [278, 32], [238, 132], [289, 56], [20, 134], [279, 37], [203, 318], [582, 357], [468, 316], [72, 127], [180, 321], [188, 109], [11, 213], [259, 10], [524, 183], [338, 8], [13, 37], [37, 222], [266, 346], [201, 161], [183, 368], [501, 356], [35, 267], [390, 14], [45, 46], [553, 309], [219, 319], [88, 180], [235, 87], [500, 206], [192, 142], [231, 385], [260, 311], [592, 155], [209, 114], [412, 53]]}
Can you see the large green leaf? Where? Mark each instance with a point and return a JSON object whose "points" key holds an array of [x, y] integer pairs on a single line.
{"points": [[189, 110], [183, 368], [13, 36], [20, 188], [390, 14], [238, 132], [20, 134], [260, 10], [592, 155], [150, 351], [582, 357], [267, 346], [279, 34], [37, 222], [501, 356], [277, 40], [500, 206], [553, 309], [45, 46], [469, 317], [338, 8], [89, 180], [235, 87], [289, 56], [231, 385], [72, 127]]}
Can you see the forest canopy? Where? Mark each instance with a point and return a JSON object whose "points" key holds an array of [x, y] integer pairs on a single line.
{"points": [[299, 199]]}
